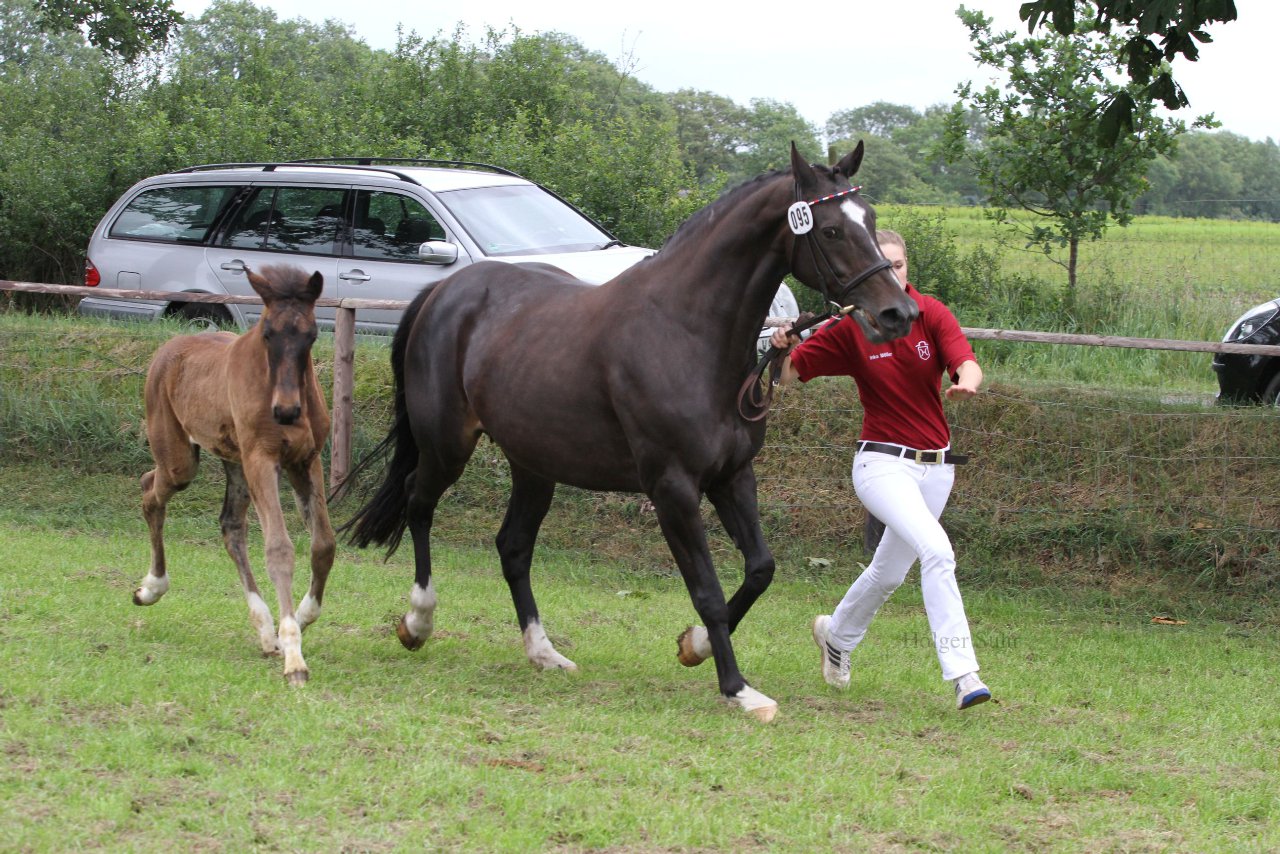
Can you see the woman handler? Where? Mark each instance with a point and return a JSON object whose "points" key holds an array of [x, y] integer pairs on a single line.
{"points": [[903, 472]]}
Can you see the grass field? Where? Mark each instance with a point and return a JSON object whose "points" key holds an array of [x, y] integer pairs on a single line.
{"points": [[131, 729], [139, 729]]}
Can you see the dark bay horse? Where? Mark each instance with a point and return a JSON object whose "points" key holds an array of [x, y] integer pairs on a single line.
{"points": [[630, 386], [253, 401]]}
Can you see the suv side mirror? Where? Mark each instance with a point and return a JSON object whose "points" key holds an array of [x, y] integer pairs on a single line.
{"points": [[438, 252]]}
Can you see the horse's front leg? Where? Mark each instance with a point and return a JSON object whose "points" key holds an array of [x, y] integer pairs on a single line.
{"points": [[308, 485], [735, 503], [676, 500], [235, 535], [262, 477]]}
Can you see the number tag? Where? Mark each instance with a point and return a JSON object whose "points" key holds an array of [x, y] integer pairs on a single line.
{"points": [[800, 218]]}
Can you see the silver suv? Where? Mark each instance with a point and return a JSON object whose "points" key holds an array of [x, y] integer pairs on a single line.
{"points": [[375, 229]]}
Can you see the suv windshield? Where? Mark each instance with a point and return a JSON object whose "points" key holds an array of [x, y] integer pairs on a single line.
{"points": [[522, 220]]}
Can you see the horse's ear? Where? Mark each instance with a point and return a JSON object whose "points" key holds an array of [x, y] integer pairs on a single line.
{"points": [[803, 172], [260, 285], [849, 164], [315, 285]]}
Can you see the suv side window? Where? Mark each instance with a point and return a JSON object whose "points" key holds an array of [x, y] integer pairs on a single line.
{"points": [[173, 214], [289, 219], [391, 226]]}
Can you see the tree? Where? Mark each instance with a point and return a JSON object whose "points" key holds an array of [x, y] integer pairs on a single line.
{"points": [[1039, 154], [1179, 25], [879, 119], [127, 28]]}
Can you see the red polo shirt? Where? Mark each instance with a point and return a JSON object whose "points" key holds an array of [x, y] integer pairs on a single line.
{"points": [[899, 382]]}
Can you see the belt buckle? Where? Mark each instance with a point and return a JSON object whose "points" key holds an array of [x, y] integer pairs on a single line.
{"points": [[935, 457]]}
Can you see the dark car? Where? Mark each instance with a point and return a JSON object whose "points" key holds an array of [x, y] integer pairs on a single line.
{"points": [[1246, 378]]}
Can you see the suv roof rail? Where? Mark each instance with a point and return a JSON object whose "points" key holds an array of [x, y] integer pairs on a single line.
{"points": [[407, 161], [360, 164]]}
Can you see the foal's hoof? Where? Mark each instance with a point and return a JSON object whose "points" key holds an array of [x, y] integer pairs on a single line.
{"points": [[150, 590], [410, 641], [297, 678], [755, 704], [693, 646]]}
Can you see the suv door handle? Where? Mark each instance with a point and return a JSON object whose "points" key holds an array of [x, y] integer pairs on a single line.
{"points": [[354, 276], [236, 266]]}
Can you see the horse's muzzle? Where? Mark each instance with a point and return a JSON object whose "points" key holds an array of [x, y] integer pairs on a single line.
{"points": [[286, 415]]}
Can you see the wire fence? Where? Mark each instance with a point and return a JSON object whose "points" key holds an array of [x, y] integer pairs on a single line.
{"points": [[1059, 476]]}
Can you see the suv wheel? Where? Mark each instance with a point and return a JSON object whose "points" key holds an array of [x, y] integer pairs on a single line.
{"points": [[199, 317]]}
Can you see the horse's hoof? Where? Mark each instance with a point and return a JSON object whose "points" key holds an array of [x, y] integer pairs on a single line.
{"points": [[410, 641], [297, 678], [693, 646], [150, 590], [755, 704]]}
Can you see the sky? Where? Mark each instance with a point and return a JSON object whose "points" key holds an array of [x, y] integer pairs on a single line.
{"points": [[911, 52]]}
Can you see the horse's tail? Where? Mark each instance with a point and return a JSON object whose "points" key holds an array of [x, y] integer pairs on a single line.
{"points": [[385, 516]]}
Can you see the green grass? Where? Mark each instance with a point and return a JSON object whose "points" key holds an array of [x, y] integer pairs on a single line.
{"points": [[124, 728]]}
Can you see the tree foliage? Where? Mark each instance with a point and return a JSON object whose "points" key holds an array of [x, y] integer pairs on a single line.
{"points": [[1178, 25], [126, 28], [1039, 155]]}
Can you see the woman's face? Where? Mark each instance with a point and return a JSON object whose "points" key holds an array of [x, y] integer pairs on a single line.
{"points": [[896, 256]]}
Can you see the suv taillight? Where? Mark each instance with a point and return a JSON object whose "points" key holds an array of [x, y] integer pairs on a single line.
{"points": [[91, 276]]}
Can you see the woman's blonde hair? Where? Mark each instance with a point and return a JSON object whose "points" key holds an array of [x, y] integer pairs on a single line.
{"points": [[884, 235]]}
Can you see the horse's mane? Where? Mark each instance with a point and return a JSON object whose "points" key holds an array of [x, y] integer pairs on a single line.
{"points": [[288, 281], [727, 198]]}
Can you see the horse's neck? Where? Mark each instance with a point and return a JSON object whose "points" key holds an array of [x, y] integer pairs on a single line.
{"points": [[727, 271]]}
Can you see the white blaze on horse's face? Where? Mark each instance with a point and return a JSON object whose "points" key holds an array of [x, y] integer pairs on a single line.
{"points": [[855, 214]]}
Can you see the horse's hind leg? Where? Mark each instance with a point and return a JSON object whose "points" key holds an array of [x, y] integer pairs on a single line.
{"points": [[428, 482], [235, 528], [176, 463], [530, 499], [308, 485], [736, 505]]}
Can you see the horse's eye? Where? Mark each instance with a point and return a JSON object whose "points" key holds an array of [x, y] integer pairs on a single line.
{"points": [[832, 233]]}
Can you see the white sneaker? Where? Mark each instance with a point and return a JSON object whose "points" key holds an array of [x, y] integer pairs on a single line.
{"points": [[970, 691], [835, 662]]}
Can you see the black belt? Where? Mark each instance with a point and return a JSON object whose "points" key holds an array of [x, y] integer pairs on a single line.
{"points": [[926, 457]]}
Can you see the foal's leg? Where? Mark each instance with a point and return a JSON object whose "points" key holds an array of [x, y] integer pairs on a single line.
{"points": [[264, 488], [676, 499], [176, 461], [235, 529], [308, 485], [530, 499], [735, 503]]}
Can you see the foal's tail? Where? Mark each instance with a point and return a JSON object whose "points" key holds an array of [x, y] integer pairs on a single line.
{"points": [[385, 516]]}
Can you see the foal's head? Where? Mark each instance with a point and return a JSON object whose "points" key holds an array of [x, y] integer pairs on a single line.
{"points": [[835, 250], [287, 329]]}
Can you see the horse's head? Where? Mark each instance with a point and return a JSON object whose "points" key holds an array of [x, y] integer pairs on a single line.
{"points": [[834, 249], [287, 329]]}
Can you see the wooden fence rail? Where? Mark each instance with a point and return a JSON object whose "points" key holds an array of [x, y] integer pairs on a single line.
{"points": [[344, 344]]}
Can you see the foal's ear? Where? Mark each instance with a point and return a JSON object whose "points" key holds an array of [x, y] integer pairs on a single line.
{"points": [[849, 164], [262, 286], [315, 286], [803, 172]]}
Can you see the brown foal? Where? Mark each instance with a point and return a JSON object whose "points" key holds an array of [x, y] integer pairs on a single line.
{"points": [[253, 401]]}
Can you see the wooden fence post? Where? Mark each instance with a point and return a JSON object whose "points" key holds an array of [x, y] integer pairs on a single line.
{"points": [[344, 371]]}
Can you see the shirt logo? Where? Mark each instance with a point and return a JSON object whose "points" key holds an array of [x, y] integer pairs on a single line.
{"points": [[922, 350]]}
